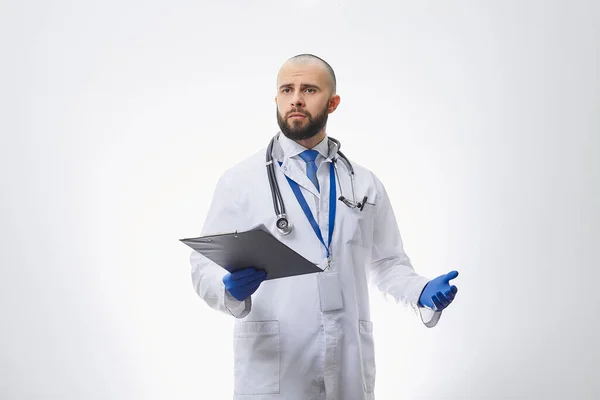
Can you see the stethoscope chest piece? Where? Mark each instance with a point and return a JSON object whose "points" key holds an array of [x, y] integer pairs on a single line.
{"points": [[284, 226]]}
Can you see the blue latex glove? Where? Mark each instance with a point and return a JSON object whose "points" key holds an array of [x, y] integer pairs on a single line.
{"points": [[438, 294], [241, 284]]}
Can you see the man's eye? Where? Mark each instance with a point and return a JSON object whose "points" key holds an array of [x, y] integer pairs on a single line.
{"points": [[311, 90]]}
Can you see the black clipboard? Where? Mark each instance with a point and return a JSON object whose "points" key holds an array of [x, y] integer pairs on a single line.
{"points": [[254, 248]]}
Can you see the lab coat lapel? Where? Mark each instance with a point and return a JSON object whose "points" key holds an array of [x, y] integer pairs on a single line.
{"points": [[292, 171]]}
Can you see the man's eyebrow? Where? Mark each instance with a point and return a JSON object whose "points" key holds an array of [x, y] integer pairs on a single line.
{"points": [[304, 85]]}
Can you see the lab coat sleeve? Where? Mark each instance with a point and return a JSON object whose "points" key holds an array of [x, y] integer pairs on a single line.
{"points": [[390, 269], [207, 276]]}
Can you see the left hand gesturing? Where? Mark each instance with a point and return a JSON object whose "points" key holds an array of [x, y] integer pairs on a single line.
{"points": [[438, 293]]}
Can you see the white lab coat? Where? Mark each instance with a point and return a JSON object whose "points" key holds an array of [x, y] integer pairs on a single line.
{"points": [[308, 337]]}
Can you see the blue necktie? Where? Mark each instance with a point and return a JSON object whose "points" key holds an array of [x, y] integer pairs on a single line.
{"points": [[309, 157]]}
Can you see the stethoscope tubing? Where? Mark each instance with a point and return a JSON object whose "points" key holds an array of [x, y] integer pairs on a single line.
{"points": [[278, 204], [276, 194]]}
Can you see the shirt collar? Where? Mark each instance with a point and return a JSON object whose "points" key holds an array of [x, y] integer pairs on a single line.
{"points": [[291, 148]]}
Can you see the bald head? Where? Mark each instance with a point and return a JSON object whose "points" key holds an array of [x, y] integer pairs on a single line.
{"points": [[310, 59]]}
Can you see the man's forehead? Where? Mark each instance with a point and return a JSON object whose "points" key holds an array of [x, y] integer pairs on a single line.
{"points": [[310, 71]]}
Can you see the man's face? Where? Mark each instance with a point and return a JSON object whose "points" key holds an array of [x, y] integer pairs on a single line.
{"points": [[303, 99]]}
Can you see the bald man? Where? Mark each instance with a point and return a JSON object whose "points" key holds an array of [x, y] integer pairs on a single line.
{"points": [[310, 336]]}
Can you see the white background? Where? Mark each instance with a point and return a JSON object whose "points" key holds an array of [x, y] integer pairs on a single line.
{"points": [[117, 118]]}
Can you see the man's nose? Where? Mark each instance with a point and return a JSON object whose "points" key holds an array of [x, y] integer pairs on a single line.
{"points": [[297, 100]]}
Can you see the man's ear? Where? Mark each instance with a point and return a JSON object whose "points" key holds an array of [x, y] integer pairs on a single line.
{"points": [[334, 102]]}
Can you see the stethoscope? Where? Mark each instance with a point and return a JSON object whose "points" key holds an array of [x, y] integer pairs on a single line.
{"points": [[283, 224]]}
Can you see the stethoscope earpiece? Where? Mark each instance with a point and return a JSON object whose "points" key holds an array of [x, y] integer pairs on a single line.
{"points": [[360, 205]]}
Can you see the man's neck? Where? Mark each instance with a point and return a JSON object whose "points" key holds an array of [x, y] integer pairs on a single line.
{"points": [[313, 141]]}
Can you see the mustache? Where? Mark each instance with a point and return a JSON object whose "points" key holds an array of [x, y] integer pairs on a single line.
{"points": [[296, 111]]}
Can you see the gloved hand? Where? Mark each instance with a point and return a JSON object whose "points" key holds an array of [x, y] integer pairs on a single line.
{"points": [[438, 294], [241, 284]]}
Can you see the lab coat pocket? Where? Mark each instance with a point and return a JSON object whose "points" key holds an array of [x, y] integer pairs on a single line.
{"points": [[256, 357], [361, 223], [367, 355]]}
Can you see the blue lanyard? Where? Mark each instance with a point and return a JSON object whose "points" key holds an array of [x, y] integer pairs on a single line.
{"points": [[308, 213]]}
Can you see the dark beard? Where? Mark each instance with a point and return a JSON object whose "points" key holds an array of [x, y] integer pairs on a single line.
{"points": [[296, 131]]}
